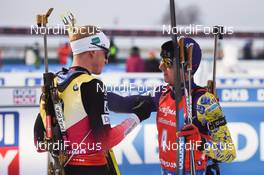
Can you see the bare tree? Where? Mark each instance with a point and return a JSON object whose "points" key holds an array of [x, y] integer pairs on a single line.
{"points": [[185, 16]]}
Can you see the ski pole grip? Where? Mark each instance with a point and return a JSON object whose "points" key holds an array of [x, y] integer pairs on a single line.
{"points": [[220, 36], [42, 20], [181, 44], [218, 31], [189, 58]]}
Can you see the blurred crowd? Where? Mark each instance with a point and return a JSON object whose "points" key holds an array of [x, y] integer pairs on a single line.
{"points": [[133, 63], [132, 59]]}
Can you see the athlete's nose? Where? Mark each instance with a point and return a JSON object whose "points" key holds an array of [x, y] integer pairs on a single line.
{"points": [[162, 66]]}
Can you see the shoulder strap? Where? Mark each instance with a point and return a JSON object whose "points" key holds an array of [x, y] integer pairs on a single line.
{"points": [[65, 77], [197, 91]]}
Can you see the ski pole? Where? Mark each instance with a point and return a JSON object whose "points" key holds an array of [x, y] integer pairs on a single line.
{"points": [[54, 167], [217, 32], [189, 70], [42, 21], [186, 93], [182, 61]]}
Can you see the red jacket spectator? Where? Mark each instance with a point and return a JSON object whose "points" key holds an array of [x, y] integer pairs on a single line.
{"points": [[63, 53], [135, 63]]}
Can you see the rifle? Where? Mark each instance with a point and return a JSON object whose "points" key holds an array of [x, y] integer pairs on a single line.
{"points": [[55, 127]]}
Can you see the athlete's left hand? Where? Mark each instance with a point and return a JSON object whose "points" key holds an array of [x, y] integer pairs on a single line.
{"points": [[188, 130], [142, 109], [191, 133]]}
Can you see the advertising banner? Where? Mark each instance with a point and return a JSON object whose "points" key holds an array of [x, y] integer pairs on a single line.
{"points": [[138, 152]]}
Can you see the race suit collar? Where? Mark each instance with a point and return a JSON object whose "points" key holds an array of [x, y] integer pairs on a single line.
{"points": [[79, 68]]}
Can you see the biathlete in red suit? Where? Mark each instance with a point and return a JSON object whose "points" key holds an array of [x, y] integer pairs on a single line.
{"points": [[209, 130]]}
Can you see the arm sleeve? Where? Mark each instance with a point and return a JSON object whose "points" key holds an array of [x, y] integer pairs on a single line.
{"points": [[118, 103], [95, 103], [97, 109], [220, 145]]}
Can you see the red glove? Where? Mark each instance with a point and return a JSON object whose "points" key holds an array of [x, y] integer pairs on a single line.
{"points": [[193, 142], [188, 130], [192, 135]]}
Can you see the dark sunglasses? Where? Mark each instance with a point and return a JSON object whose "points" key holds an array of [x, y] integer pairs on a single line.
{"points": [[106, 51], [167, 62]]}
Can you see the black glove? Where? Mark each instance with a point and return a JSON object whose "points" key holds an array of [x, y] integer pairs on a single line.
{"points": [[142, 109]]}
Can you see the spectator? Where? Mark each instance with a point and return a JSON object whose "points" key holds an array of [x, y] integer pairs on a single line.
{"points": [[135, 63], [113, 52], [63, 53], [152, 63], [260, 54], [36, 51], [29, 56], [1, 58], [220, 51], [32, 55], [247, 50]]}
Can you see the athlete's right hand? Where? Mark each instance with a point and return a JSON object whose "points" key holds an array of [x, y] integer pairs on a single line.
{"points": [[142, 109]]}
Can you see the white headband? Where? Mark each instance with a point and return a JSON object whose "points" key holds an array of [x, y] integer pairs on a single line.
{"points": [[87, 43]]}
